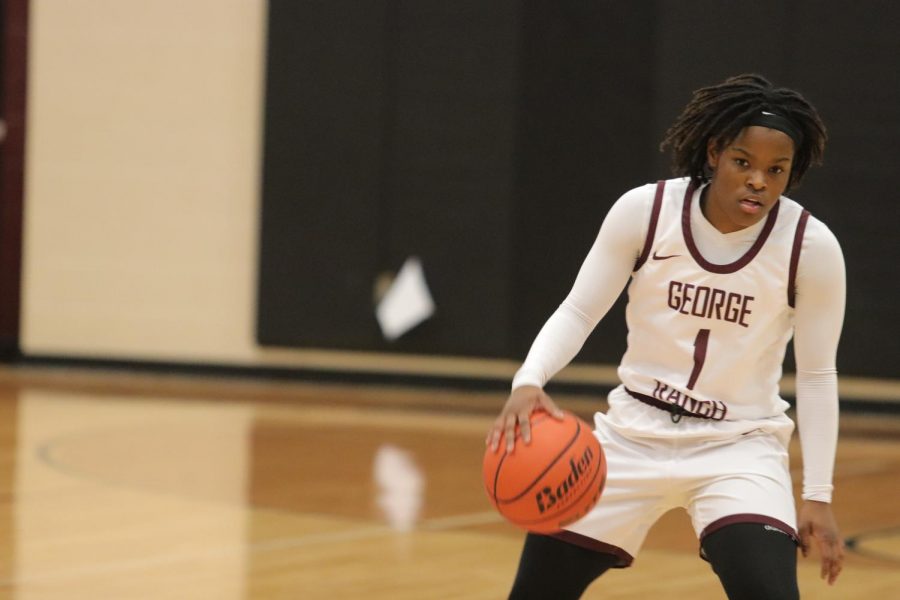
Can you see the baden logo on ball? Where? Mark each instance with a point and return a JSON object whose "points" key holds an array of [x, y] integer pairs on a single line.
{"points": [[551, 482], [547, 497]]}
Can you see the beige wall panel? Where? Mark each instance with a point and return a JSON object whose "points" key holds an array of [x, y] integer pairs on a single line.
{"points": [[144, 129]]}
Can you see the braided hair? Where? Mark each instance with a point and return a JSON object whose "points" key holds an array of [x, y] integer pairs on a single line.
{"points": [[721, 111]]}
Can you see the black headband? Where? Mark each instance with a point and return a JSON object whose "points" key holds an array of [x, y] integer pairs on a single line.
{"points": [[773, 121]]}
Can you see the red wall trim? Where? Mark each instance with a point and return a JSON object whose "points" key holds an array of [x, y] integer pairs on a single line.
{"points": [[12, 173]]}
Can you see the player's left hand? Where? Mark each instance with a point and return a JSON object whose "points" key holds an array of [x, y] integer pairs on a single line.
{"points": [[816, 521]]}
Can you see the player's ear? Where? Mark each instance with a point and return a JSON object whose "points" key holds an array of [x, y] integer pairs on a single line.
{"points": [[712, 154]]}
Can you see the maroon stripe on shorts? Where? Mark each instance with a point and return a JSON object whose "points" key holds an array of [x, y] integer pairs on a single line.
{"points": [[589, 543], [750, 518], [795, 257], [651, 230]]}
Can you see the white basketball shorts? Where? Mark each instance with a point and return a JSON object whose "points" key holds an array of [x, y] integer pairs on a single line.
{"points": [[741, 478]]}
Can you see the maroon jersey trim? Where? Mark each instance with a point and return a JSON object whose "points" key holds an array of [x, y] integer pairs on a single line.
{"points": [[795, 257], [739, 263], [651, 230]]}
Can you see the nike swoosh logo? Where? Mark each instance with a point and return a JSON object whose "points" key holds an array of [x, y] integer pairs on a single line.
{"points": [[655, 257]]}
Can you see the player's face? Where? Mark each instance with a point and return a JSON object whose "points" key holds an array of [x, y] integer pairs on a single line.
{"points": [[749, 175]]}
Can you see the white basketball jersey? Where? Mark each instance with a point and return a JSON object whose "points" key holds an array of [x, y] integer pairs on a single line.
{"points": [[707, 337]]}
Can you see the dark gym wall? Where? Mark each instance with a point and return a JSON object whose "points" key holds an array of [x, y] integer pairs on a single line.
{"points": [[325, 138], [451, 166], [848, 62], [490, 138], [389, 133], [585, 95]]}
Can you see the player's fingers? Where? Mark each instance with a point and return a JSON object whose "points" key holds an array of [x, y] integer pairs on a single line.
{"points": [[832, 550], [803, 534], [549, 405], [837, 565], [496, 432], [509, 429], [831, 568], [525, 427], [490, 434], [826, 550], [493, 437], [834, 569]]}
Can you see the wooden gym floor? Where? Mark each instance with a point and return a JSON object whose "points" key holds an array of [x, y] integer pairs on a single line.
{"points": [[126, 487]]}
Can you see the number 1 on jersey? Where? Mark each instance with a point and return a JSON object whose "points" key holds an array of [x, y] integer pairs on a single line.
{"points": [[700, 344]]}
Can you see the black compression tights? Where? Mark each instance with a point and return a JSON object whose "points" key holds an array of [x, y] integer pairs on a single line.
{"points": [[550, 568], [753, 563]]}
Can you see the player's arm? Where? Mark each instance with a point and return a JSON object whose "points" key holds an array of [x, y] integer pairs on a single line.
{"points": [[818, 318], [602, 277]]}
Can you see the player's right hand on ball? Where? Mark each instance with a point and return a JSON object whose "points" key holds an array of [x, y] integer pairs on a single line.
{"points": [[517, 410]]}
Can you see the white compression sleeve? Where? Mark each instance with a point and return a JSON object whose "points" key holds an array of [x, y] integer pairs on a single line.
{"points": [[818, 318], [603, 274]]}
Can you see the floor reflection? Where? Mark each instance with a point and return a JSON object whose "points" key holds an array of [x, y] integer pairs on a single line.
{"points": [[400, 484], [263, 493], [136, 496], [110, 489]]}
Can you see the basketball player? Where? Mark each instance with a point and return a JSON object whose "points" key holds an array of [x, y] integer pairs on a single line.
{"points": [[723, 270]]}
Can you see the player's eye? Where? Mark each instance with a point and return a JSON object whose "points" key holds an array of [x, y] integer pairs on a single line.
{"points": [[776, 170], [741, 162]]}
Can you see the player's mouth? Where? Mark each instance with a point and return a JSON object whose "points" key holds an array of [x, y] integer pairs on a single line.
{"points": [[751, 205]]}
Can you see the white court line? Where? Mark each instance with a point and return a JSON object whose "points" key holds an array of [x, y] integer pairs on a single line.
{"points": [[431, 525], [438, 524], [460, 521]]}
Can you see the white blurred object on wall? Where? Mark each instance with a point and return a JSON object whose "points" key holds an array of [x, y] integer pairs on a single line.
{"points": [[407, 301]]}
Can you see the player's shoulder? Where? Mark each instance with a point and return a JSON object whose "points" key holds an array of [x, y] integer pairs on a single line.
{"points": [[816, 232], [645, 194], [819, 236], [821, 256]]}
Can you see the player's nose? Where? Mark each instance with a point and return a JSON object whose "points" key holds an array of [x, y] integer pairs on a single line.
{"points": [[756, 181]]}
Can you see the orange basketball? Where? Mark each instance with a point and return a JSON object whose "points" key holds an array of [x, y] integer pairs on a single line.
{"points": [[551, 482]]}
